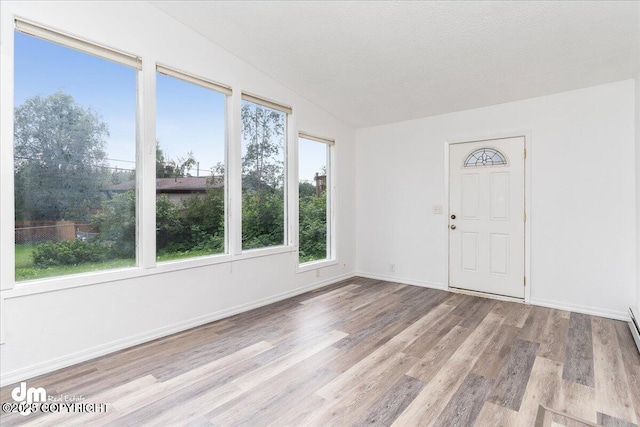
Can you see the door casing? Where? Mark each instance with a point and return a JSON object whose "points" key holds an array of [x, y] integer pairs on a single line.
{"points": [[527, 203]]}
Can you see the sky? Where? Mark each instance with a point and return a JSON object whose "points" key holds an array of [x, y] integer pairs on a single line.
{"points": [[190, 118], [312, 157], [43, 68]]}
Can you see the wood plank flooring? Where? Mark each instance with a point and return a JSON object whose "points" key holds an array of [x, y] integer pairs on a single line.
{"points": [[363, 352]]}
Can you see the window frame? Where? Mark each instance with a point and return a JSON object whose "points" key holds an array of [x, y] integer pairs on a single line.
{"points": [[146, 265], [227, 92], [287, 244], [332, 258], [471, 160], [98, 50]]}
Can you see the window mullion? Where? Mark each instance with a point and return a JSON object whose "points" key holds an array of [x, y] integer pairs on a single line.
{"points": [[291, 199], [146, 182], [7, 254], [234, 174]]}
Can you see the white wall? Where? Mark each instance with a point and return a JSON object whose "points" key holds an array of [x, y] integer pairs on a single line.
{"points": [[583, 215], [44, 331]]}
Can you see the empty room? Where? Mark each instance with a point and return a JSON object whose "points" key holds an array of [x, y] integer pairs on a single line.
{"points": [[320, 213]]}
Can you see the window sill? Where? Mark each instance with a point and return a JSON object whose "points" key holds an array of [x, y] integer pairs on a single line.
{"points": [[256, 253], [312, 265], [53, 284], [186, 263]]}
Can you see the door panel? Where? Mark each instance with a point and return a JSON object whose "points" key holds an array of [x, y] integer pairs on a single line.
{"points": [[499, 254], [470, 251], [486, 216], [499, 196], [469, 196]]}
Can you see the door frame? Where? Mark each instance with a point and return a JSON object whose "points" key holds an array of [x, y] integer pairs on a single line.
{"points": [[527, 206]]}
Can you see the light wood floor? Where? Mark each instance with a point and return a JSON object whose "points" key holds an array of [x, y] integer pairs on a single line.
{"points": [[364, 352]]}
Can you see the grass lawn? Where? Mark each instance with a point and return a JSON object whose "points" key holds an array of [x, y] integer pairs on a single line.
{"points": [[25, 270], [23, 255], [170, 256]]}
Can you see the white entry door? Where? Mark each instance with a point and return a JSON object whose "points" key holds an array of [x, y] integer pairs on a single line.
{"points": [[486, 216]]}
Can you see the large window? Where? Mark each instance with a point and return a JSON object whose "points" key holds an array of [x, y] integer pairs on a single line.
{"points": [[190, 167], [76, 186], [263, 175], [314, 209], [74, 144]]}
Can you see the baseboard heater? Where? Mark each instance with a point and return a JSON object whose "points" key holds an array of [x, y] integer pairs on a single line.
{"points": [[634, 324]]}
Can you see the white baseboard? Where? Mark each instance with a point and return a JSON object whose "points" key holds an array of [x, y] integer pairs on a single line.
{"points": [[593, 311], [22, 374], [402, 280]]}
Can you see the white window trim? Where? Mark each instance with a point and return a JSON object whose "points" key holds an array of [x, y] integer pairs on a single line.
{"points": [[192, 78], [7, 208], [314, 265], [143, 130], [266, 102], [331, 258], [78, 43], [321, 139], [289, 135], [261, 252], [146, 167], [59, 283], [228, 95], [145, 207], [146, 264]]}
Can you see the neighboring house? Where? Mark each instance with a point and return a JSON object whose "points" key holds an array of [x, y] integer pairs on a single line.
{"points": [[176, 189], [321, 184]]}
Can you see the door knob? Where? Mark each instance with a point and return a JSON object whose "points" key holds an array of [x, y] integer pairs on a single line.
{"points": [[453, 226], [453, 217]]}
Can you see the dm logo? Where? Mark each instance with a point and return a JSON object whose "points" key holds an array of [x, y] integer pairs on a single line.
{"points": [[28, 395]]}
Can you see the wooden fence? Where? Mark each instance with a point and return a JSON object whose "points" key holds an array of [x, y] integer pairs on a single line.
{"points": [[45, 231]]}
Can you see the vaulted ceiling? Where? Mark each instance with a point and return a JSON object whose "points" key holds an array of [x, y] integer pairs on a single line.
{"points": [[372, 63]]}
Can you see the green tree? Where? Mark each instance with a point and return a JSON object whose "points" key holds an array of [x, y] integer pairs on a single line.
{"points": [[262, 220], [116, 224], [170, 168], [197, 224], [313, 227], [263, 132], [59, 158], [169, 226], [204, 216], [306, 189], [262, 176]]}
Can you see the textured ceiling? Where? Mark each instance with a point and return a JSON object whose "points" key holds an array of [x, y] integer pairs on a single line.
{"points": [[371, 63]]}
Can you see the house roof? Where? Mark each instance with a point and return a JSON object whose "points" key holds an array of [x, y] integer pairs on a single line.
{"points": [[188, 184]]}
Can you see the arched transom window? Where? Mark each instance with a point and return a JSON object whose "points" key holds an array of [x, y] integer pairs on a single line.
{"points": [[485, 157]]}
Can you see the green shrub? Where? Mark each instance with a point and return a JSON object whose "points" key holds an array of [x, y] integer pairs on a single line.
{"points": [[262, 220], [169, 224], [72, 252], [116, 224], [313, 228]]}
